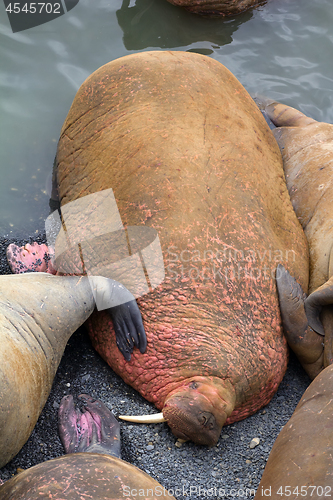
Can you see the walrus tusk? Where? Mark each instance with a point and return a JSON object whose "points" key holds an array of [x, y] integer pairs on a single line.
{"points": [[144, 419]]}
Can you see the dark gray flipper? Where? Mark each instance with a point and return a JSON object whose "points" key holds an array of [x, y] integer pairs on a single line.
{"points": [[128, 326], [291, 299], [54, 201], [94, 430], [303, 340], [323, 296]]}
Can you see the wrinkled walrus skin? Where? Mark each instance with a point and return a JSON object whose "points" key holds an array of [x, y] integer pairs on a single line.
{"points": [[300, 464], [83, 475], [307, 151], [38, 314], [217, 7], [187, 152]]}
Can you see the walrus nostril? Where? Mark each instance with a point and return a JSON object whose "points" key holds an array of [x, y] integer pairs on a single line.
{"points": [[207, 420]]}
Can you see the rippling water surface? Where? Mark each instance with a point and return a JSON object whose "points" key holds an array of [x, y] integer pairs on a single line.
{"points": [[283, 50]]}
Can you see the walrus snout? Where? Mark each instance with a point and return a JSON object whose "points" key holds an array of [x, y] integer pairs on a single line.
{"points": [[198, 410], [187, 421], [207, 420]]}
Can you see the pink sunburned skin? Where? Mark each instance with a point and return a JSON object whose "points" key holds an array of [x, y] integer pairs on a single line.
{"points": [[78, 430], [33, 257], [90, 423], [93, 429]]}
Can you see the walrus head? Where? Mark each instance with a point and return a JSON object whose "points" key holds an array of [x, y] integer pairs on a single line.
{"points": [[196, 410]]}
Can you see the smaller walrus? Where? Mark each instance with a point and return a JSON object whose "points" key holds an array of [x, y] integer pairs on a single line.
{"points": [[112, 295], [217, 7], [93, 469], [38, 314], [301, 461], [307, 151]]}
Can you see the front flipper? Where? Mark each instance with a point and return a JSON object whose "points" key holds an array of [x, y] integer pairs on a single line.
{"points": [[95, 430], [125, 314], [302, 339], [128, 326]]}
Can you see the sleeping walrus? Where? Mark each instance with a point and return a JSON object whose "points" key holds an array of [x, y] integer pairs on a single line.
{"points": [[183, 150]]}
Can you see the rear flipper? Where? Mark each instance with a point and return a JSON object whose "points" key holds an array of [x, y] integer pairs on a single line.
{"points": [[323, 296], [302, 339], [319, 311], [282, 115], [290, 129], [95, 430], [124, 311]]}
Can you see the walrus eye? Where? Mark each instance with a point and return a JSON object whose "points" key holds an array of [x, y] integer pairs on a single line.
{"points": [[193, 385]]}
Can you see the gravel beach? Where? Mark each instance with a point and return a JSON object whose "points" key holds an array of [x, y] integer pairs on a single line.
{"points": [[231, 469]]}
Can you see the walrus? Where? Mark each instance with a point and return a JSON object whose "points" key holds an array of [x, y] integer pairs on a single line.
{"points": [[91, 468], [307, 151], [38, 314], [217, 7], [301, 461], [186, 152]]}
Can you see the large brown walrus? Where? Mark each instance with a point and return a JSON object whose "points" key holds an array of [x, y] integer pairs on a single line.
{"points": [[307, 151], [301, 461], [186, 152]]}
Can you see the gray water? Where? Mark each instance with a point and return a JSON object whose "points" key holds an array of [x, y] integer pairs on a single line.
{"points": [[283, 50]]}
